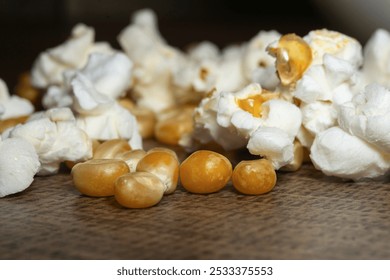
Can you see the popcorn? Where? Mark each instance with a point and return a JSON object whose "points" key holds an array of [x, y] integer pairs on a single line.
{"points": [[338, 153], [250, 117], [55, 137], [321, 89], [360, 147], [274, 144], [50, 65], [153, 60], [18, 165], [367, 116], [100, 116], [110, 74], [325, 41], [13, 106], [258, 66], [377, 58]]}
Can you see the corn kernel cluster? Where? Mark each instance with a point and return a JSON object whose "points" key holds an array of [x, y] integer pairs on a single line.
{"points": [[140, 179]]}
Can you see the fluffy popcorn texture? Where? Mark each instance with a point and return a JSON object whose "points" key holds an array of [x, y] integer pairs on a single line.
{"points": [[197, 72], [206, 128], [18, 165], [13, 106], [325, 41], [368, 116], [220, 118], [55, 137], [109, 73], [322, 89], [273, 144], [153, 60], [101, 116], [50, 65], [338, 153], [377, 58], [258, 65]]}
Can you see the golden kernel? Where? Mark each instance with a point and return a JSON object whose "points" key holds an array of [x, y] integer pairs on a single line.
{"points": [[254, 177], [205, 172], [97, 177], [111, 149], [138, 190], [164, 165]]}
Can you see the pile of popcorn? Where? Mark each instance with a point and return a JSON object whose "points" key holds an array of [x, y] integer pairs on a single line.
{"points": [[287, 99]]}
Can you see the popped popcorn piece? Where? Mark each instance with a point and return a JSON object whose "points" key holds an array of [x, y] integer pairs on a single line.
{"points": [[13, 106], [110, 74], [196, 75], [18, 165], [230, 119], [153, 60], [50, 65], [272, 143], [367, 116], [325, 41], [338, 153], [322, 89], [377, 58], [207, 129], [55, 137], [258, 65], [102, 117]]}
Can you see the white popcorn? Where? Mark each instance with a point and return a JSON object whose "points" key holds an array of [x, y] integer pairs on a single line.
{"points": [[322, 89], [367, 116], [338, 153], [50, 65], [100, 116], [230, 75], [203, 51], [154, 62], [232, 119], [109, 73], [13, 106], [272, 143], [196, 74], [18, 165], [258, 65], [55, 137], [377, 58], [325, 41], [57, 97], [206, 128]]}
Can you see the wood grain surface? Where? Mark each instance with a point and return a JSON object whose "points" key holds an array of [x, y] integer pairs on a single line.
{"points": [[306, 216]]}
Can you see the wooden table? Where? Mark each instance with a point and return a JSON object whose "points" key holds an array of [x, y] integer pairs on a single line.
{"points": [[306, 216]]}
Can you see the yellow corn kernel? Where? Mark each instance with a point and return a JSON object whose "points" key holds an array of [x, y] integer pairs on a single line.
{"points": [[254, 177], [139, 190], [293, 57], [146, 120], [132, 158], [205, 172], [97, 177], [111, 149], [24, 89], [164, 165], [252, 104], [174, 124], [11, 122], [126, 103]]}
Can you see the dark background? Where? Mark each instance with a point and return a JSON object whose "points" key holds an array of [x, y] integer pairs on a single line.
{"points": [[29, 27]]}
